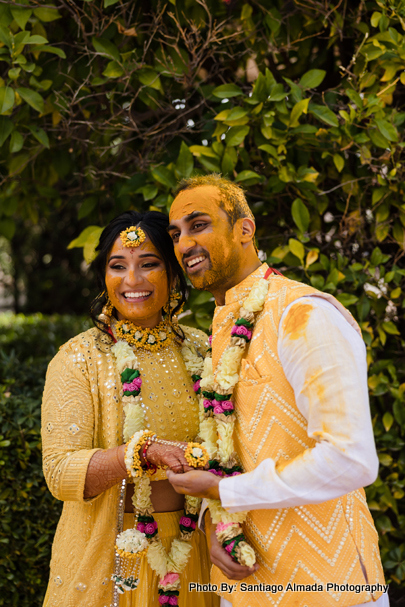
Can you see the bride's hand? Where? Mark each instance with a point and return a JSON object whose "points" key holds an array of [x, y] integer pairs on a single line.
{"points": [[168, 455]]}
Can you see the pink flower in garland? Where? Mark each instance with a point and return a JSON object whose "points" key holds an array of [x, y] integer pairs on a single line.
{"points": [[227, 405], [163, 599], [196, 386], [173, 600], [150, 527], [134, 386], [141, 527], [230, 546], [193, 525], [210, 340], [236, 473], [170, 578], [185, 521], [213, 471], [207, 403], [241, 330], [218, 410]]}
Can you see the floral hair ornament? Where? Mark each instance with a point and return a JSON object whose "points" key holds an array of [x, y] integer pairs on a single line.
{"points": [[132, 237]]}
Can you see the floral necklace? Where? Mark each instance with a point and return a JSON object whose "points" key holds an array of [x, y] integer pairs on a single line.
{"points": [[144, 539], [218, 421]]}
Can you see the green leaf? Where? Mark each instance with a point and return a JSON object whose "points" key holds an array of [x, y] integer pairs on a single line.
{"points": [[347, 299], [81, 240], [162, 175], [248, 175], [106, 48], [185, 161], [5, 37], [36, 40], [149, 77], [6, 127], [113, 70], [40, 135], [339, 162], [236, 135], [387, 129], [226, 91], [277, 93], [108, 3], [16, 142], [390, 328], [312, 79], [87, 206], [21, 15], [270, 149], [203, 150], [7, 98], [33, 99], [324, 114], [47, 14], [387, 420], [297, 249], [227, 164], [298, 109], [149, 192], [375, 19], [379, 140], [7, 228], [89, 249], [300, 214], [53, 50], [14, 73]]}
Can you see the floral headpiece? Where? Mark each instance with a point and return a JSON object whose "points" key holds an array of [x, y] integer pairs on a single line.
{"points": [[132, 237]]}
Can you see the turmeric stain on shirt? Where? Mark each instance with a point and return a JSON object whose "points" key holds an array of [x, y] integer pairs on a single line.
{"points": [[297, 320]]}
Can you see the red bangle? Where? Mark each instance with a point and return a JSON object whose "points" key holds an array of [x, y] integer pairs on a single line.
{"points": [[147, 464]]}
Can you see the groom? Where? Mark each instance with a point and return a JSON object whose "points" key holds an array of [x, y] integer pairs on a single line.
{"points": [[303, 432]]}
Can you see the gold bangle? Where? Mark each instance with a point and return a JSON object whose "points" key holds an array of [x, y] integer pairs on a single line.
{"points": [[136, 468]]}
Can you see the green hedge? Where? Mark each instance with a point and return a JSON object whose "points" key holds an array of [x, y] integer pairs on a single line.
{"points": [[28, 512]]}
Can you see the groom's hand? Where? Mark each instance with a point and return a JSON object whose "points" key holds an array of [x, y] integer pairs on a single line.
{"points": [[197, 483], [220, 558]]}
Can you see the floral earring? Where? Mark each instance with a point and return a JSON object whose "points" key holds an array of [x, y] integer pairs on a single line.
{"points": [[172, 302]]}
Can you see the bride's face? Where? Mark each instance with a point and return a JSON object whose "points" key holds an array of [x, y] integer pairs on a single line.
{"points": [[136, 281]]}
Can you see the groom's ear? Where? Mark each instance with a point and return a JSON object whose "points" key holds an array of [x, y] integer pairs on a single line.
{"points": [[247, 229]]}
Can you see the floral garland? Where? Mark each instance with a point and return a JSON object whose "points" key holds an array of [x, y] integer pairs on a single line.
{"points": [[217, 415], [143, 538]]}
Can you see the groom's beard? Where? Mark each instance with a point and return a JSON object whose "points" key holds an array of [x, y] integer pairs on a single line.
{"points": [[223, 265]]}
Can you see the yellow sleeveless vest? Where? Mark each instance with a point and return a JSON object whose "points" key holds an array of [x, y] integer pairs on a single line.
{"points": [[310, 545]]}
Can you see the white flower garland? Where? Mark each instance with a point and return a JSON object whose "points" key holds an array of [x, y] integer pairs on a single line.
{"points": [[218, 421], [144, 538]]}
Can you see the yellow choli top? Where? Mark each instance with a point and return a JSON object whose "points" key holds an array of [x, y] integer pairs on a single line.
{"points": [[82, 413]]}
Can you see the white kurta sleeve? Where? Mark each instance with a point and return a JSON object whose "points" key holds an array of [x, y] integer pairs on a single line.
{"points": [[324, 360]]}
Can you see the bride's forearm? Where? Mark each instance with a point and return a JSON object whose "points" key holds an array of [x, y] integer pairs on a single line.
{"points": [[106, 469]]}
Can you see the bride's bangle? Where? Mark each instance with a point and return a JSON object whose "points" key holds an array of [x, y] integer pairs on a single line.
{"points": [[132, 459]]}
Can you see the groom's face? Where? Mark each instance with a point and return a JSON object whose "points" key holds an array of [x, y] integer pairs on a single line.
{"points": [[204, 241]]}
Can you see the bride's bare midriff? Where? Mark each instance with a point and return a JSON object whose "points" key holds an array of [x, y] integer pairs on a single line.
{"points": [[164, 498]]}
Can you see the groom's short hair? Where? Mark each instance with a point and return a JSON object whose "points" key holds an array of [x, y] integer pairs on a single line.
{"points": [[232, 197]]}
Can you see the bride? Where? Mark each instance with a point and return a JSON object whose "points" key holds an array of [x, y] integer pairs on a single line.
{"points": [[131, 379]]}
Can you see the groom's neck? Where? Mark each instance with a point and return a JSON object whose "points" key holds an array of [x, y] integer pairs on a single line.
{"points": [[249, 265]]}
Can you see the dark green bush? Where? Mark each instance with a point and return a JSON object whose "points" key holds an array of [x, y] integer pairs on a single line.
{"points": [[28, 512]]}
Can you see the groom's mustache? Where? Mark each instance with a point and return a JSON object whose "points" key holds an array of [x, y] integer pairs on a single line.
{"points": [[196, 252]]}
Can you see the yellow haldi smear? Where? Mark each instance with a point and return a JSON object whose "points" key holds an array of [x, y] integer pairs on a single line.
{"points": [[297, 320]]}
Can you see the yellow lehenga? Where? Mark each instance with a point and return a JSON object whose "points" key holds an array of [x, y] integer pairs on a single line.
{"points": [[82, 413]]}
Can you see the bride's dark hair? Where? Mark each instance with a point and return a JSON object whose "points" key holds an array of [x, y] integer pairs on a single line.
{"points": [[154, 224]]}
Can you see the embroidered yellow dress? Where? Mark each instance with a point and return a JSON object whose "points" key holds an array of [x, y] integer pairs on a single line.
{"points": [[82, 413], [303, 545]]}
